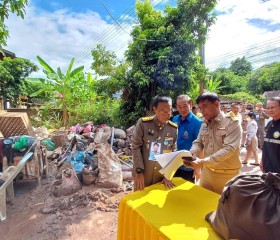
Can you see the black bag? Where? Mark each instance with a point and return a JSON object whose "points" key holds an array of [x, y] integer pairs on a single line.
{"points": [[249, 208]]}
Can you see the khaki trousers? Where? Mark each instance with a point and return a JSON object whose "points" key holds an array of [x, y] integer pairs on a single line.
{"points": [[214, 181]]}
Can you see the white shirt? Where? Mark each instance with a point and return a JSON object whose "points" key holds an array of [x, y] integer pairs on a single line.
{"points": [[252, 129]]}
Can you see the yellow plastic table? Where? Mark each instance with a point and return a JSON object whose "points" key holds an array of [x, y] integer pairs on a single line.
{"points": [[159, 214]]}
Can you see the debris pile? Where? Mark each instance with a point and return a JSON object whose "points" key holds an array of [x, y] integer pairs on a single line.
{"points": [[87, 154], [96, 200]]}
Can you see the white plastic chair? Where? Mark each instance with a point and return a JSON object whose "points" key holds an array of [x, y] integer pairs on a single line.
{"points": [[8, 186]]}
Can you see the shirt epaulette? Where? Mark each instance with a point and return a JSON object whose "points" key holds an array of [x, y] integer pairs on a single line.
{"points": [[146, 119], [233, 118], [173, 124]]}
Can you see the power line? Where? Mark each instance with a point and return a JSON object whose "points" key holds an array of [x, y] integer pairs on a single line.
{"points": [[250, 48], [265, 57], [141, 39], [109, 35], [106, 32]]}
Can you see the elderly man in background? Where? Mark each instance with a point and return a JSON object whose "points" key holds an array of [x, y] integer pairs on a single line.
{"points": [[219, 137]]}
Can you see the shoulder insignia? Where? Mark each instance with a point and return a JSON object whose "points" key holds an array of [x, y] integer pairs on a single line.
{"points": [[146, 119], [233, 118], [173, 124]]}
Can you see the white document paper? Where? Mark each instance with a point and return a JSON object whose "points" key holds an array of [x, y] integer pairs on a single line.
{"points": [[170, 162]]}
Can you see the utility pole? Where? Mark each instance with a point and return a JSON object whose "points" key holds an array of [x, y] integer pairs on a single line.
{"points": [[202, 61]]}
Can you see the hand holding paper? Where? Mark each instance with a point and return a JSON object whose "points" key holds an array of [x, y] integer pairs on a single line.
{"points": [[170, 162]]}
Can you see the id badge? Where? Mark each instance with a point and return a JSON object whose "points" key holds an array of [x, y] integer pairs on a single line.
{"points": [[155, 149]]}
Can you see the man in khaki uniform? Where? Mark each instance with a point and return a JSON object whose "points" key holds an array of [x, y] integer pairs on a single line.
{"points": [[219, 137], [260, 117], [243, 114], [234, 113], [150, 130]]}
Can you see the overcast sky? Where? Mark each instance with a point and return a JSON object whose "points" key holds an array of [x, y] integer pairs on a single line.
{"points": [[60, 30]]}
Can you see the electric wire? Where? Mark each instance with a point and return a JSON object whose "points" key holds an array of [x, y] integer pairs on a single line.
{"points": [[106, 39]]}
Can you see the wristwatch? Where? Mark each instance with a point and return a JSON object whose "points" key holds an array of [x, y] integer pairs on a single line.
{"points": [[139, 170]]}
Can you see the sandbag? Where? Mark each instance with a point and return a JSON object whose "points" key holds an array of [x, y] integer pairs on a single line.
{"points": [[69, 184], [249, 208], [102, 135], [119, 133], [110, 171]]}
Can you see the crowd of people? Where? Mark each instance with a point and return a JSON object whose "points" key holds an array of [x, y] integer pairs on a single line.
{"points": [[213, 135]]}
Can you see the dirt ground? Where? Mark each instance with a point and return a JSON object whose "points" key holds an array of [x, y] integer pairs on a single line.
{"points": [[90, 213]]}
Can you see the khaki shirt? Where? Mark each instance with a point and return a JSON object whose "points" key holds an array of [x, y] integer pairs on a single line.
{"points": [[149, 130], [220, 140], [238, 116], [244, 121], [260, 118]]}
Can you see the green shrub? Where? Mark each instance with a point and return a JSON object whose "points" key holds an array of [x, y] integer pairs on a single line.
{"points": [[102, 111], [242, 97]]}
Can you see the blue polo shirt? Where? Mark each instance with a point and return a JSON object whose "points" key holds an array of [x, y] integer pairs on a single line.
{"points": [[188, 130]]}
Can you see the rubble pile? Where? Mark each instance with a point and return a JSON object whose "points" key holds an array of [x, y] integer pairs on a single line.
{"points": [[96, 200], [88, 154]]}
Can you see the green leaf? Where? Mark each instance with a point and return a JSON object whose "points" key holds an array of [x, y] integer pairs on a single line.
{"points": [[35, 94], [45, 65], [76, 71], [59, 73], [34, 80], [70, 67]]}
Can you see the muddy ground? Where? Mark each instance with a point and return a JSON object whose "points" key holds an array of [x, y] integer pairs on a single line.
{"points": [[90, 213]]}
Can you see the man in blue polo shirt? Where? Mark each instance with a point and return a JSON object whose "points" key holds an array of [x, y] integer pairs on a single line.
{"points": [[188, 129]]}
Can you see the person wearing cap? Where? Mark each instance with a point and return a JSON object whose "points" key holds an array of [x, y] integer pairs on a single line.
{"points": [[271, 147], [251, 139], [153, 135], [219, 137]]}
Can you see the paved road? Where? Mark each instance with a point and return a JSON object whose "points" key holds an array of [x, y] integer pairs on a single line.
{"points": [[248, 167]]}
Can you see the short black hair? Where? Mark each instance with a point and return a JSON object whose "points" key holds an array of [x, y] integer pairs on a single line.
{"points": [[194, 107], [251, 115], [161, 98], [275, 99], [210, 96], [156, 144]]}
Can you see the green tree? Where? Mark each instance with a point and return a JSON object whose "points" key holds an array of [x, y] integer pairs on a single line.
{"points": [[241, 96], [163, 51], [6, 7], [12, 74], [104, 62], [110, 72], [230, 82], [241, 67], [266, 78]]}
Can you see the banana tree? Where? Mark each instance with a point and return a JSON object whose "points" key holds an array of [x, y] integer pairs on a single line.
{"points": [[59, 85], [213, 85]]}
